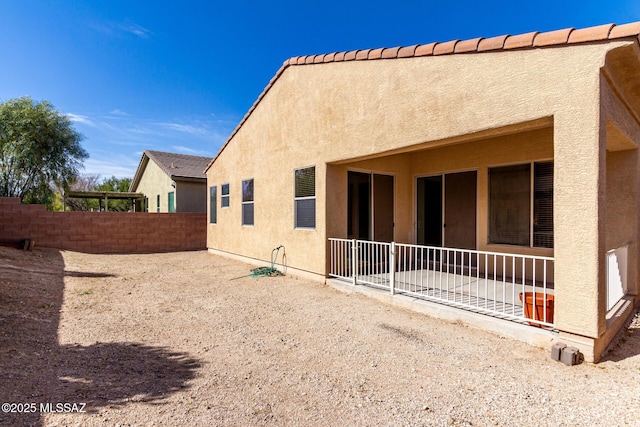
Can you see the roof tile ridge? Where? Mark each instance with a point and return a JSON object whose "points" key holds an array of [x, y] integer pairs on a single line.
{"points": [[351, 55], [375, 53], [520, 40], [445, 48], [390, 52], [589, 34], [493, 43], [625, 30], [553, 38], [470, 45], [425, 49], [407, 51]]}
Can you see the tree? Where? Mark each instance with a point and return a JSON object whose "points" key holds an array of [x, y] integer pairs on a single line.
{"points": [[120, 185], [84, 182], [39, 149]]}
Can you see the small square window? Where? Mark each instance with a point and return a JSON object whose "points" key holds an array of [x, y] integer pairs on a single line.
{"points": [[224, 196]]}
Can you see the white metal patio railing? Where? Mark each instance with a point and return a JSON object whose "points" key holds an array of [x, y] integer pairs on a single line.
{"points": [[510, 286]]}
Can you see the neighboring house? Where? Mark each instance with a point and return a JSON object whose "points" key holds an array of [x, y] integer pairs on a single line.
{"points": [[171, 182], [492, 164]]}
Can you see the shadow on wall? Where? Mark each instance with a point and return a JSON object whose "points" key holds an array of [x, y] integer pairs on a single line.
{"points": [[34, 368]]}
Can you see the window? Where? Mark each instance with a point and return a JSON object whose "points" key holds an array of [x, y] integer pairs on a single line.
{"points": [[247, 202], [224, 196], [513, 198], [213, 213], [172, 201], [305, 198], [158, 203]]}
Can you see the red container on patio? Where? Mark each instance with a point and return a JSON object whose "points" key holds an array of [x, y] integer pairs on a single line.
{"points": [[540, 307]]}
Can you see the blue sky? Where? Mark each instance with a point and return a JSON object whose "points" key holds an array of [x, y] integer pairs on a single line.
{"points": [[179, 76]]}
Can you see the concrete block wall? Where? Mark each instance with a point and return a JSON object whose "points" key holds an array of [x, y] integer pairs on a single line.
{"points": [[102, 232]]}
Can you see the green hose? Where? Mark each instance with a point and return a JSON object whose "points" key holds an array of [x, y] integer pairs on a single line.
{"points": [[268, 271]]}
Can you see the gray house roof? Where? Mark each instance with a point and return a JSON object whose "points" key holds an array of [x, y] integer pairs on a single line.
{"points": [[179, 167]]}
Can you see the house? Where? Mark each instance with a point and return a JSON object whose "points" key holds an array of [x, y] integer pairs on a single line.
{"points": [[506, 167], [171, 182]]}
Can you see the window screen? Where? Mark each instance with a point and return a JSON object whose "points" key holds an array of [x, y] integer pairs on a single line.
{"points": [[510, 205], [305, 198], [511, 199]]}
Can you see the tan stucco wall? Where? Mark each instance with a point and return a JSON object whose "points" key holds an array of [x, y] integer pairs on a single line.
{"points": [[479, 156], [153, 182], [342, 113], [188, 196]]}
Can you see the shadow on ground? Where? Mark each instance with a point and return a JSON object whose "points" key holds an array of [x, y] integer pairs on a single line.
{"points": [[34, 368], [627, 342]]}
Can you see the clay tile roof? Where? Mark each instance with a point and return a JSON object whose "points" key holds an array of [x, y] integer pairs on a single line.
{"points": [[626, 30], [425, 49], [390, 52], [556, 37], [362, 54], [445, 48], [591, 34], [375, 53], [505, 42], [493, 43], [329, 57], [407, 51], [468, 45], [351, 55], [519, 41]]}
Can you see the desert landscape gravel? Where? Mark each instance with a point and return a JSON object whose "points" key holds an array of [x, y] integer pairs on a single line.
{"points": [[178, 339]]}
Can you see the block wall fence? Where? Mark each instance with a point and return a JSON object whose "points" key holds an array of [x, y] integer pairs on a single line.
{"points": [[102, 232]]}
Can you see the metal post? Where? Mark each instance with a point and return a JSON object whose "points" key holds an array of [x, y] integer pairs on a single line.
{"points": [[392, 268], [354, 262]]}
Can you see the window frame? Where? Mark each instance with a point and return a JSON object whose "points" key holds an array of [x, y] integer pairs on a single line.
{"points": [[224, 196], [531, 203], [303, 198], [248, 203], [213, 204]]}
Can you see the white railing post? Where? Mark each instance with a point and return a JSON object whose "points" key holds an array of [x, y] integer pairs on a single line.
{"points": [[392, 268], [354, 262]]}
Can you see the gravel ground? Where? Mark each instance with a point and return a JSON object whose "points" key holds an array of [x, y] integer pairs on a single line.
{"points": [[176, 339]]}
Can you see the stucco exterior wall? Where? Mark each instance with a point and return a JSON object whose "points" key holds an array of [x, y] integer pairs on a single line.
{"points": [[479, 156], [480, 109], [155, 182]]}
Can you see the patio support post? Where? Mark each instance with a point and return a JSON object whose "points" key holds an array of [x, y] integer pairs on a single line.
{"points": [[392, 268], [354, 261]]}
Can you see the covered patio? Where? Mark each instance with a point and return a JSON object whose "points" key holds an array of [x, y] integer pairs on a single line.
{"points": [[497, 284]]}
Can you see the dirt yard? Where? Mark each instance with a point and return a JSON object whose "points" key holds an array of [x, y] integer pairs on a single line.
{"points": [[174, 339]]}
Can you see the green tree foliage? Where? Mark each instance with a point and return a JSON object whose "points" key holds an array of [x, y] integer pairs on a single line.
{"points": [[93, 182], [39, 149], [116, 184]]}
